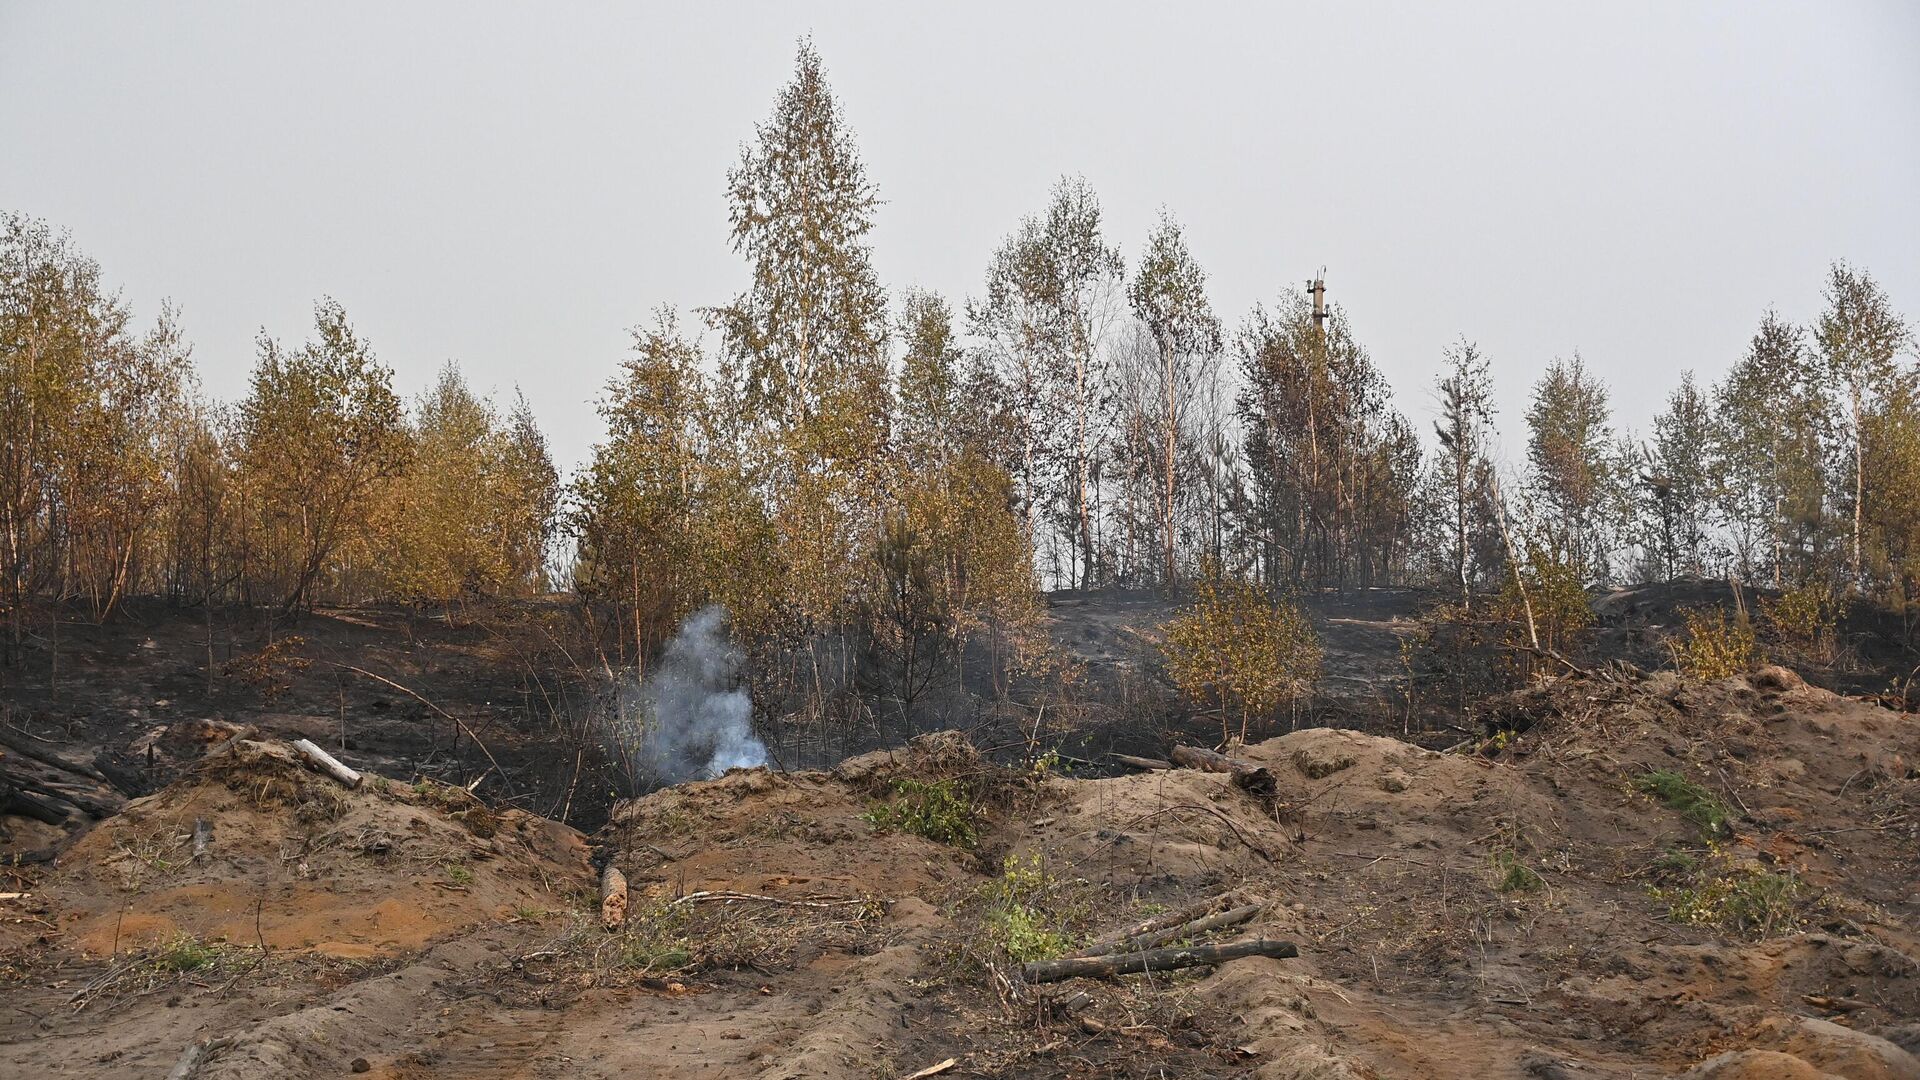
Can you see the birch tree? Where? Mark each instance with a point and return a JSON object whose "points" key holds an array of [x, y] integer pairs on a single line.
{"points": [[1858, 336], [1169, 297]]}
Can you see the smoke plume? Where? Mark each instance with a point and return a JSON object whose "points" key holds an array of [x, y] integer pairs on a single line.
{"points": [[691, 717]]}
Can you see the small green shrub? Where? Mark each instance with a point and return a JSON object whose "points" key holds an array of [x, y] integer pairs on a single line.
{"points": [[655, 953], [1695, 803], [1019, 916], [1807, 616], [1511, 875], [1716, 647], [1026, 937], [939, 810], [1748, 900], [185, 953], [459, 875]]}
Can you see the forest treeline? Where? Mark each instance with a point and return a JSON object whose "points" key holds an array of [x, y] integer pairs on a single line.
{"points": [[826, 458]]}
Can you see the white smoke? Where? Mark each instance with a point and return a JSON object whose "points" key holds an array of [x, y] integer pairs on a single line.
{"points": [[691, 718]]}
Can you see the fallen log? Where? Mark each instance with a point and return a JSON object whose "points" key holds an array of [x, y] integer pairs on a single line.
{"points": [[51, 759], [326, 762], [95, 801], [1150, 764], [1248, 777], [1206, 924], [613, 897], [15, 800], [1135, 963], [1197, 909]]}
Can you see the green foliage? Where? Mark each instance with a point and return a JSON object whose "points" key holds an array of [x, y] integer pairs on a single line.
{"points": [[184, 953], [1692, 801], [1573, 470], [658, 939], [1675, 519], [1021, 914], [1860, 337], [1715, 646], [939, 810], [1772, 420], [1675, 862], [319, 432], [1240, 650], [1548, 588], [1315, 417], [1511, 875], [1741, 899], [459, 874], [1807, 615], [474, 509], [1169, 297], [1458, 491]]}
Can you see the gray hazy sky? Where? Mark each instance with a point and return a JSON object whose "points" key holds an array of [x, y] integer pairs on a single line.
{"points": [[512, 186]]}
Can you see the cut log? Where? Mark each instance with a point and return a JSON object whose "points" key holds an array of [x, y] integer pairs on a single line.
{"points": [[1195, 910], [613, 897], [1151, 764], [326, 762], [1248, 777], [1135, 963], [1206, 924]]}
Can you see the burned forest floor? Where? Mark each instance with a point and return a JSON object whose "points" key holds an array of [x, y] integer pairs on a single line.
{"points": [[1614, 871]]}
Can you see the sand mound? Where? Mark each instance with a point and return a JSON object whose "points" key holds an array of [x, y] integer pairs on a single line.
{"points": [[294, 859]]}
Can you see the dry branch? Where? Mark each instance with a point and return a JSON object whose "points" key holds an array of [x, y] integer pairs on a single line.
{"points": [[1206, 924], [726, 895], [1197, 909], [326, 762], [1148, 763], [415, 695], [1135, 963], [932, 1070]]}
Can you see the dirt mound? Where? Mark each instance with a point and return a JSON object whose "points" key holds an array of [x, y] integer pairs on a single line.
{"points": [[251, 847]]}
